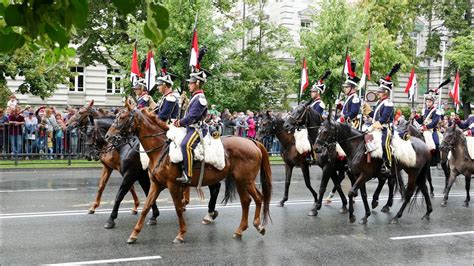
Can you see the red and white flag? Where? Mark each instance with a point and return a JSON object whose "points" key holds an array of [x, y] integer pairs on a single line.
{"points": [[135, 70], [411, 85], [366, 72], [193, 59], [304, 77], [455, 91], [347, 67], [150, 73]]}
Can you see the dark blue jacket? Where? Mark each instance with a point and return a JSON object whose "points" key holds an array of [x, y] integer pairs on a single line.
{"points": [[143, 101], [383, 112], [168, 107], [435, 117], [318, 106], [197, 110], [351, 106], [468, 123]]}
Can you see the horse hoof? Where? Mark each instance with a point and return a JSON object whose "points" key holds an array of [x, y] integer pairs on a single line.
{"points": [[426, 217], [91, 211], [214, 215], [131, 240], [134, 212], [151, 222], [363, 221], [237, 236], [394, 221], [465, 204], [178, 241], [352, 219], [385, 209], [281, 204], [261, 230], [343, 210], [375, 203], [109, 225], [184, 208], [432, 195], [444, 203], [313, 213]]}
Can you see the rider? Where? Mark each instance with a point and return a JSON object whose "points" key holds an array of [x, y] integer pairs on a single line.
{"points": [[316, 90], [382, 117], [431, 117], [351, 106], [468, 125], [193, 121], [140, 91], [168, 106]]}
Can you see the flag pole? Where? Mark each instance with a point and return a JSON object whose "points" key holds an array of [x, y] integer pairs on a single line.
{"points": [[188, 68], [442, 75], [301, 82]]}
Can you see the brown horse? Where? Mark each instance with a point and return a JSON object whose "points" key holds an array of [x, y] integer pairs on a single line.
{"points": [[460, 161], [244, 159], [110, 160]]}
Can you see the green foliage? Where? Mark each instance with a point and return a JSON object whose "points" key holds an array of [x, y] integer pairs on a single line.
{"points": [[461, 57]]}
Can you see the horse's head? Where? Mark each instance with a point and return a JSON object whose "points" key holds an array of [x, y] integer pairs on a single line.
{"points": [[297, 118], [124, 126], [267, 126], [327, 136], [79, 119], [452, 136]]}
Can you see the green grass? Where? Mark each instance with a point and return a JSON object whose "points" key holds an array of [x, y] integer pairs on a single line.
{"points": [[44, 164]]}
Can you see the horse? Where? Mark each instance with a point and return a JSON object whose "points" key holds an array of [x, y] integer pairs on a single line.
{"points": [[273, 125], [353, 144], [244, 159], [460, 162]]}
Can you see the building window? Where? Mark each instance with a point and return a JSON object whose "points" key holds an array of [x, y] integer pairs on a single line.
{"points": [[77, 80], [305, 24], [113, 81]]}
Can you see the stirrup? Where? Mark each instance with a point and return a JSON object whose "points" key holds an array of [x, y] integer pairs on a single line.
{"points": [[183, 179]]}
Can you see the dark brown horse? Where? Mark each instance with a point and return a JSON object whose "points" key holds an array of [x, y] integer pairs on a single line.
{"points": [[244, 159], [352, 142], [460, 162], [273, 125]]}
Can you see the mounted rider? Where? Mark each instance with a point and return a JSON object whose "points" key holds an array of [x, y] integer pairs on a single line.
{"points": [[382, 117], [143, 99], [316, 90], [467, 125], [429, 126], [350, 108], [168, 106], [193, 119]]}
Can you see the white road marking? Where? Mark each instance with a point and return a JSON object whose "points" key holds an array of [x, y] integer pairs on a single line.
{"points": [[432, 235], [170, 208], [108, 261], [39, 190]]}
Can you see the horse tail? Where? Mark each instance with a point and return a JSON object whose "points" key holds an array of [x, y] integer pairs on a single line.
{"points": [[266, 181], [420, 181], [230, 188]]}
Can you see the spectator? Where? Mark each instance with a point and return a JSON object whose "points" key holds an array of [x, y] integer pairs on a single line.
{"points": [[15, 121], [31, 126], [12, 103], [72, 137], [251, 126], [228, 124], [42, 143], [59, 135], [242, 125], [213, 111], [3, 131]]}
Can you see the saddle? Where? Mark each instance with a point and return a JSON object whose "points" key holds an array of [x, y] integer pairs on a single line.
{"points": [[210, 149], [302, 144], [402, 150]]}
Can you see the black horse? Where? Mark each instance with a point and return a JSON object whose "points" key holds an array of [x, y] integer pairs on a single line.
{"points": [[273, 125], [460, 162], [352, 142]]}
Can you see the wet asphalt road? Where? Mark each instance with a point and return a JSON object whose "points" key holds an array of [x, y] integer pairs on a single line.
{"points": [[44, 220]]}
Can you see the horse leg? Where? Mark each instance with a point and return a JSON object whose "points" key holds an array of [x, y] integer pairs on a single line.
{"points": [[375, 197], [186, 197], [288, 173], [136, 201], [245, 201], [145, 184], [104, 178], [428, 177], [322, 187], [446, 171], [211, 207], [127, 183], [408, 194], [468, 186], [335, 177], [257, 197], [307, 181], [391, 189], [153, 194], [452, 178], [340, 175], [352, 194], [426, 195], [177, 195], [363, 193]]}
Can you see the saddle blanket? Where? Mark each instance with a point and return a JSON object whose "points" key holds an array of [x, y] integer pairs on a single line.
{"points": [[402, 150], [302, 144], [428, 136], [470, 146], [144, 159], [210, 148]]}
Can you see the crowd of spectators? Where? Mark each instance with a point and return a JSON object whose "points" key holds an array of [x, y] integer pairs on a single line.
{"points": [[26, 131]]}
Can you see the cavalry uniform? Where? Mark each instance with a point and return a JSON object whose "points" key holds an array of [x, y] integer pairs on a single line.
{"points": [[351, 106], [317, 105], [467, 125], [143, 101], [383, 113], [431, 118], [318, 88], [168, 107]]}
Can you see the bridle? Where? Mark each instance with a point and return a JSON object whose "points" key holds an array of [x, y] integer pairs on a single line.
{"points": [[335, 140]]}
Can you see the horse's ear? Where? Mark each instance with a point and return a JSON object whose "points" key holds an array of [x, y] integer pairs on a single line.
{"points": [[308, 103], [128, 105], [91, 104], [267, 113]]}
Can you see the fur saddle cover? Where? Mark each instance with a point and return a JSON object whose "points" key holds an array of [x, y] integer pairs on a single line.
{"points": [[144, 159], [428, 136], [402, 150], [470, 147], [302, 144], [214, 149]]}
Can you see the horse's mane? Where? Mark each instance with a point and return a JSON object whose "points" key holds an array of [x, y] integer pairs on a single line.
{"points": [[460, 140], [152, 116]]}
